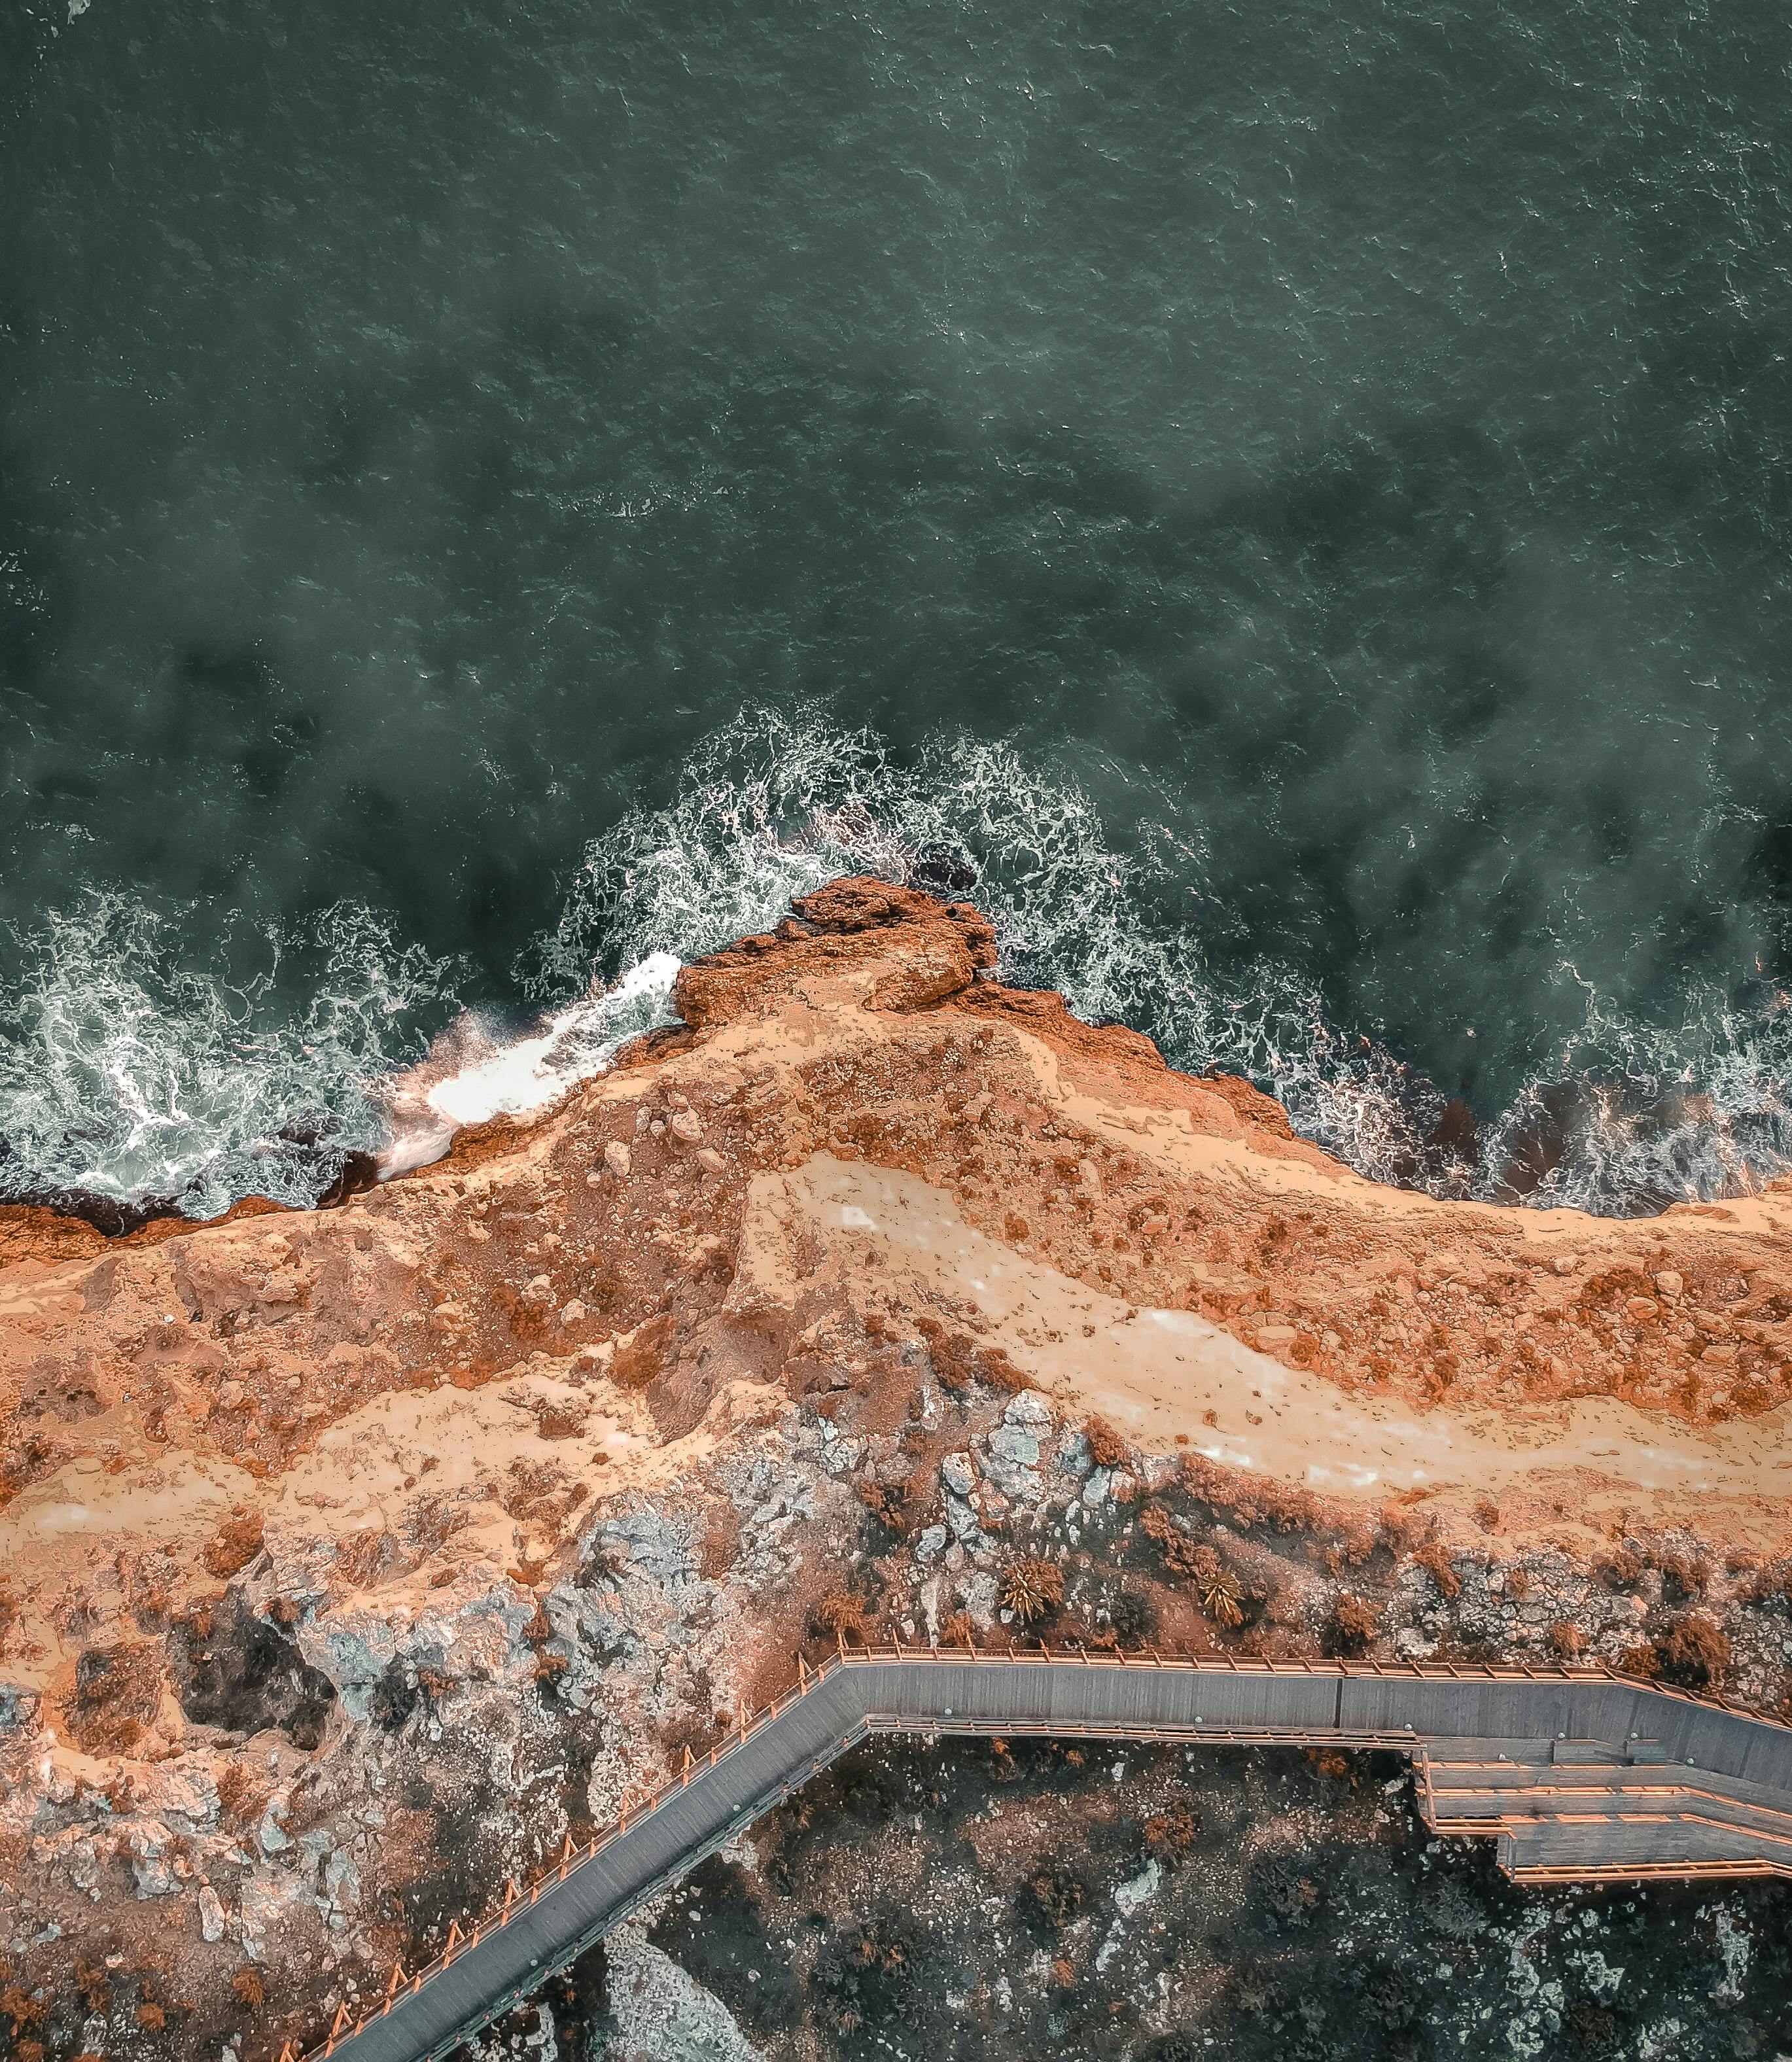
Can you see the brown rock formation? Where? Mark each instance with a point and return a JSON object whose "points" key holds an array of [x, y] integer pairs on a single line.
{"points": [[557, 1442]]}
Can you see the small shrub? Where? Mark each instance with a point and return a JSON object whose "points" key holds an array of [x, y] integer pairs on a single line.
{"points": [[233, 1545], [1683, 1577], [238, 1798], [247, 1986], [1218, 1588], [959, 1630], [1567, 1639], [841, 1615], [1641, 1660], [1134, 1617], [1107, 1448], [1435, 1561], [1695, 1653], [1171, 1835], [1032, 1589], [1351, 1626], [889, 1506], [1595, 2030], [22, 2006], [1057, 1896]]}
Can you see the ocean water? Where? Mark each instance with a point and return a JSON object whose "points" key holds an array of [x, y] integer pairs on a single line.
{"points": [[1293, 501]]}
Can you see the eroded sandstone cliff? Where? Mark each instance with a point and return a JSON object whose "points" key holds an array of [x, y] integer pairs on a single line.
{"points": [[353, 1558]]}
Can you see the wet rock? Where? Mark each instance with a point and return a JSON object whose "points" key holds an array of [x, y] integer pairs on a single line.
{"points": [[843, 1456], [151, 1845], [1008, 1442], [957, 1474], [471, 1630], [269, 1907], [271, 1835], [18, 1707], [1030, 1409], [342, 1882], [1010, 1464]]}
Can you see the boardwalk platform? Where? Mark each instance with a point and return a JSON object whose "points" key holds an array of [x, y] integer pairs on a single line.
{"points": [[1578, 1774]]}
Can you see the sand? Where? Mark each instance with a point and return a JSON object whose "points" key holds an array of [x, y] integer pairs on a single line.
{"points": [[1162, 1375]]}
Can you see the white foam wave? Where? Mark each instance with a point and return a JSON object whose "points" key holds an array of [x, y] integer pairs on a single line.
{"points": [[770, 807], [473, 1074], [125, 1074]]}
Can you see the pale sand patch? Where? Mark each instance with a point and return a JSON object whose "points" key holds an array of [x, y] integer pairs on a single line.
{"points": [[1155, 1373], [372, 1470]]}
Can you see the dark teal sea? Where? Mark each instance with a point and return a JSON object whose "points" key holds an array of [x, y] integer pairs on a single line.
{"points": [[1296, 498]]}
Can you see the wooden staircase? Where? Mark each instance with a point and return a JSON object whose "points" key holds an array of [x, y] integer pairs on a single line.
{"points": [[1599, 1811]]}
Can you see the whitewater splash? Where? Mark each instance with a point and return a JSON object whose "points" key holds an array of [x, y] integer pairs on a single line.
{"points": [[473, 1072], [126, 1079], [132, 1084]]}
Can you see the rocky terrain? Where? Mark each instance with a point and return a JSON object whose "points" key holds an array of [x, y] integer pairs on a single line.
{"points": [[354, 1559]]}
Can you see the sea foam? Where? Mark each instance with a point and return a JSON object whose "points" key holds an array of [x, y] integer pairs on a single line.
{"points": [[474, 1074], [126, 1075]]}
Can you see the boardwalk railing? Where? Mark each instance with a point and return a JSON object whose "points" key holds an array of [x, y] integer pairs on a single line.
{"points": [[663, 1832]]}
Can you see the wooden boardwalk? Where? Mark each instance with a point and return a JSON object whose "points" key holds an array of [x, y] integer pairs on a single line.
{"points": [[1579, 1775]]}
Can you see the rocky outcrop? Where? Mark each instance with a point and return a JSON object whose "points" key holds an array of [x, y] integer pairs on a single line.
{"points": [[355, 1558]]}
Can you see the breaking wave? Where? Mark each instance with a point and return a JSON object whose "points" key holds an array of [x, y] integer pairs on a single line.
{"points": [[130, 1082], [1631, 1119]]}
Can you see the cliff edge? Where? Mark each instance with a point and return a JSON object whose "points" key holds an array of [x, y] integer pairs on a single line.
{"points": [[354, 1559]]}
